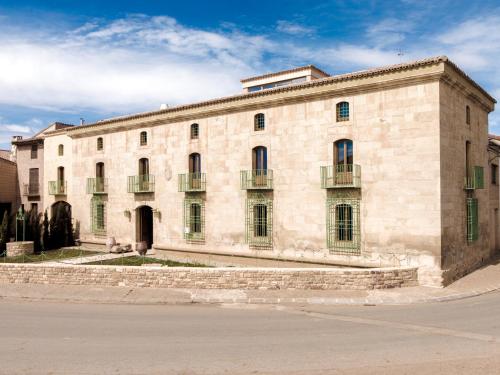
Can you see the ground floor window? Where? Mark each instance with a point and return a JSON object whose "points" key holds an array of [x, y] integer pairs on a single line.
{"points": [[342, 225], [259, 223], [472, 220], [98, 216], [194, 219]]}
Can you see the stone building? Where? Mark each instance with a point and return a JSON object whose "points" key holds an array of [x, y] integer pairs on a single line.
{"points": [[8, 184], [381, 167]]}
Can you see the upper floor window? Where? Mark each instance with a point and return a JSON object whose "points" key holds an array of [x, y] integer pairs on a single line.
{"points": [[100, 143], [259, 122], [34, 151], [144, 138], [195, 131], [342, 111], [60, 150], [467, 115], [494, 174]]}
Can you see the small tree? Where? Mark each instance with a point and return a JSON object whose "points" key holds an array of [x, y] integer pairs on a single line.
{"points": [[4, 233], [45, 232], [34, 230]]}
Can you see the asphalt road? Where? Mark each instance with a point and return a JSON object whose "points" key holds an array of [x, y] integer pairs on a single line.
{"points": [[461, 337]]}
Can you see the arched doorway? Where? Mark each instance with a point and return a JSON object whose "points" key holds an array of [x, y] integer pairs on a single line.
{"points": [[144, 225], [61, 225]]}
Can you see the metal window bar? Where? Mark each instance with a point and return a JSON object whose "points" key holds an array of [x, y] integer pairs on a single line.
{"points": [[32, 189], [98, 216], [57, 187], [141, 184], [144, 138], [195, 131], [472, 220], [343, 225], [194, 219], [475, 179], [342, 111], [97, 185], [192, 182], [259, 122], [341, 176], [257, 179], [259, 222], [100, 143], [61, 150]]}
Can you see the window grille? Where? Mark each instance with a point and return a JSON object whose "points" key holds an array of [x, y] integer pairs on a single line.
{"points": [[194, 219], [342, 225], [195, 131], [144, 138], [98, 216], [100, 143], [472, 220], [342, 111], [259, 221], [61, 150], [259, 122]]}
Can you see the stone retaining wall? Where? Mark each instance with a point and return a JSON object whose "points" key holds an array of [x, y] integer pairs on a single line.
{"points": [[210, 278]]}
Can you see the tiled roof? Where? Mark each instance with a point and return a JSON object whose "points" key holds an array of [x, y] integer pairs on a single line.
{"points": [[317, 82], [267, 75]]}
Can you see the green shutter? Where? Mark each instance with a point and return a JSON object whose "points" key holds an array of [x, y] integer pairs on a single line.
{"points": [[194, 219], [472, 220], [478, 177], [342, 225], [98, 216], [259, 221]]}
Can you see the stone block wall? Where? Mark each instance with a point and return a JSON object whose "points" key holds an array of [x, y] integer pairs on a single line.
{"points": [[18, 248], [210, 278]]}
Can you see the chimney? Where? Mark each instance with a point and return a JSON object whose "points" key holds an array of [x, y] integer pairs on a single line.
{"points": [[82, 121], [13, 147], [163, 106]]}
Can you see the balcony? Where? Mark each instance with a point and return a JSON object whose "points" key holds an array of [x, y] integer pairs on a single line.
{"points": [[258, 179], [341, 176], [57, 187], [192, 182], [475, 179], [97, 185], [141, 184], [31, 190]]}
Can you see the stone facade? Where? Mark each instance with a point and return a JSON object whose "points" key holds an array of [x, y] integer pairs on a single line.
{"points": [[408, 129], [209, 278], [9, 194]]}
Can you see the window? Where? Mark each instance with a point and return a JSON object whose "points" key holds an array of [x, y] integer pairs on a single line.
{"points": [[342, 111], [194, 219], [467, 115], [60, 150], [34, 207], [33, 184], [343, 152], [342, 221], [98, 218], [100, 144], [144, 138], [34, 151], [99, 178], [195, 131], [472, 220], [494, 173], [259, 158], [259, 122], [259, 221]]}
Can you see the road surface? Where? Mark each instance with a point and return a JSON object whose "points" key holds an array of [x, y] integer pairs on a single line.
{"points": [[461, 337]]}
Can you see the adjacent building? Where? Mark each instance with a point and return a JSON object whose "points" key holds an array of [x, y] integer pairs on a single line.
{"points": [[8, 184], [388, 166]]}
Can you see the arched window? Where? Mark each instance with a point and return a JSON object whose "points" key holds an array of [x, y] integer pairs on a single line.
{"points": [[143, 166], [195, 131], [144, 178], [467, 115], [100, 143], [343, 152], [99, 177], [61, 150], [259, 122], [468, 166], [342, 111], [61, 183], [259, 158], [144, 138], [194, 163], [344, 222]]}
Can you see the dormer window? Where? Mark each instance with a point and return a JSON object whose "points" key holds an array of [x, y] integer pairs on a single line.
{"points": [[259, 122]]}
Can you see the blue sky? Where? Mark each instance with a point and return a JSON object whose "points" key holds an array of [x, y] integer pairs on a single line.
{"points": [[62, 60]]}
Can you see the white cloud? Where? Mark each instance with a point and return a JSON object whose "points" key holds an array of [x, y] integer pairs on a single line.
{"points": [[293, 28], [389, 31], [16, 128]]}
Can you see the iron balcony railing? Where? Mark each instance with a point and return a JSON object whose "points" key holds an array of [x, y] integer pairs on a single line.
{"points": [[57, 188], [475, 179], [97, 185], [141, 184], [341, 176], [31, 190], [192, 182], [257, 179]]}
